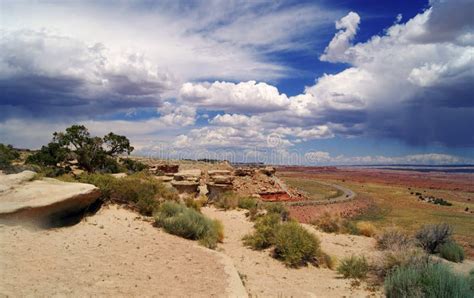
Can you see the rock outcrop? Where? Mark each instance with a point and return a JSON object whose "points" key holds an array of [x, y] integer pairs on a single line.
{"points": [[220, 181], [23, 199], [187, 181], [164, 169]]}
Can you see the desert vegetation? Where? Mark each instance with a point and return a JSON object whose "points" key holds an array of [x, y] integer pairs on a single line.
{"points": [[7, 155], [330, 223], [188, 223], [75, 147], [426, 280], [292, 244], [353, 267]]}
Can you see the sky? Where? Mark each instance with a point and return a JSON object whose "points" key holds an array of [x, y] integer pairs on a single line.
{"points": [[281, 82]]}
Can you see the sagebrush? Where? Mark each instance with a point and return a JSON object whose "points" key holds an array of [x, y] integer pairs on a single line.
{"points": [[353, 267], [430, 280], [452, 251], [140, 190], [264, 234], [295, 246], [188, 223], [393, 238], [431, 237]]}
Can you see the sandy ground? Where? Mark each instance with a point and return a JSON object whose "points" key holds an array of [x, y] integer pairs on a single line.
{"points": [[266, 277], [113, 253]]}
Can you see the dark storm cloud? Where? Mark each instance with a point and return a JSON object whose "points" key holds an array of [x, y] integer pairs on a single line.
{"points": [[46, 75]]}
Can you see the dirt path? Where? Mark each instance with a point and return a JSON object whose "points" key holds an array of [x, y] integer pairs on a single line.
{"points": [[112, 253], [264, 276]]}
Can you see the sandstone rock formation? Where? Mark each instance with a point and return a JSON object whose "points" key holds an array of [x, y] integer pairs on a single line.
{"points": [[187, 181], [163, 169], [188, 175], [269, 171], [244, 172], [220, 181], [42, 200]]}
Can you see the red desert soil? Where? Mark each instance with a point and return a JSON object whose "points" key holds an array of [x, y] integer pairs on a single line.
{"points": [[447, 181], [307, 214]]}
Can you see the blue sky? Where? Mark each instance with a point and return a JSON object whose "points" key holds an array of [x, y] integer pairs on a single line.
{"points": [[306, 82]]}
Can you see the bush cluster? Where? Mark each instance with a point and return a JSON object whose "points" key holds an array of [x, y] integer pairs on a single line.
{"points": [[231, 200], [353, 267], [227, 201], [335, 224], [133, 166], [292, 244], [393, 238], [452, 251], [401, 257], [188, 223], [264, 235], [247, 203], [431, 237], [140, 190], [428, 280], [196, 204], [366, 228], [277, 208], [7, 155]]}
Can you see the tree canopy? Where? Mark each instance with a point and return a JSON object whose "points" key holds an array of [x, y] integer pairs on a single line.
{"points": [[92, 153]]}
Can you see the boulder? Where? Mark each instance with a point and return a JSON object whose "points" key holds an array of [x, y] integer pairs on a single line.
{"points": [[23, 199], [8, 182]]}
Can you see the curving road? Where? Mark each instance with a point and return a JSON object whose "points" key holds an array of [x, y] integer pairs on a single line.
{"points": [[347, 195]]}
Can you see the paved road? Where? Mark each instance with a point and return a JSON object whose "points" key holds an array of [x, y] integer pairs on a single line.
{"points": [[347, 195]]}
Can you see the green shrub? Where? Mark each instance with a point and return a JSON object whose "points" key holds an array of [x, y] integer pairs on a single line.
{"points": [[185, 222], [349, 227], [452, 251], [431, 280], [253, 213], [228, 200], [401, 257], [140, 190], [7, 155], [278, 208], [133, 165], [105, 183], [247, 203], [328, 223], [49, 155], [470, 277], [404, 282], [353, 267], [295, 246], [393, 238], [431, 237], [264, 234], [335, 224]]}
